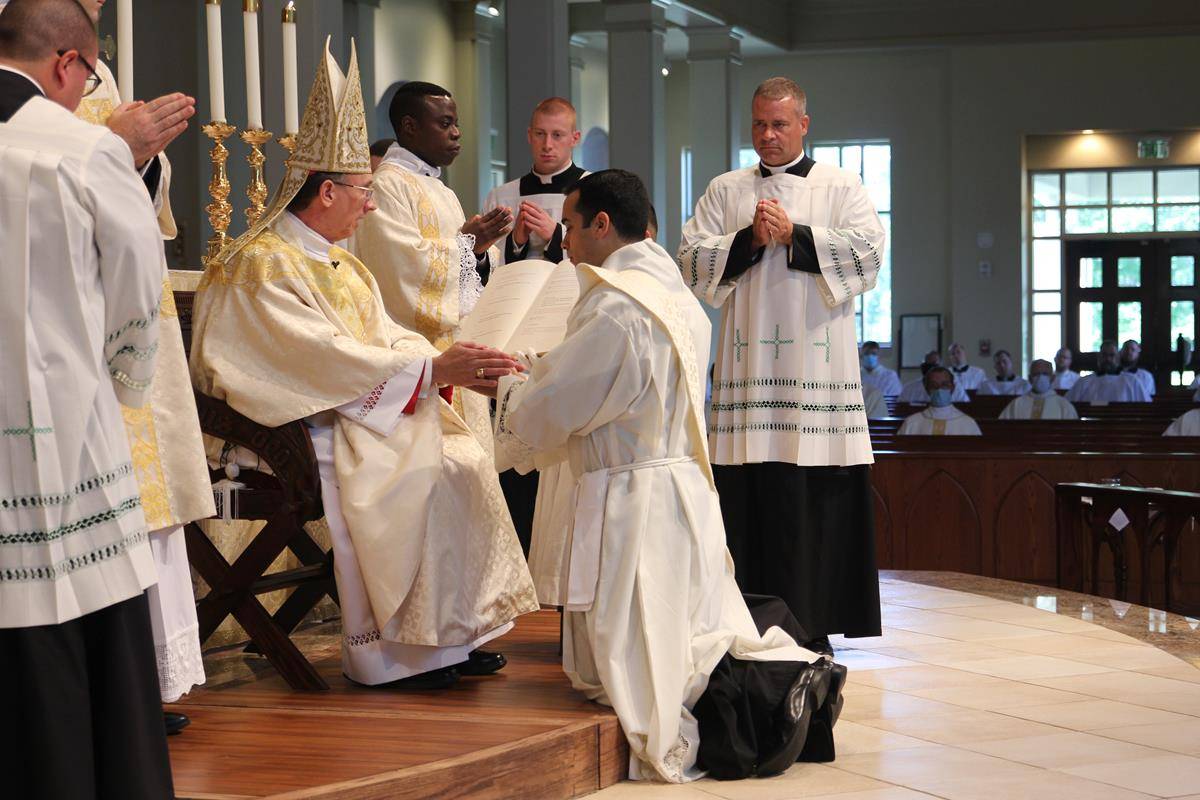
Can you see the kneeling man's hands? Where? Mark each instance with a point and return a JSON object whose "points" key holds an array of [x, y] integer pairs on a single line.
{"points": [[473, 366]]}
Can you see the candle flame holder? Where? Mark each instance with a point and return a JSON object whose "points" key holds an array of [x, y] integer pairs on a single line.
{"points": [[256, 190], [219, 210], [288, 143]]}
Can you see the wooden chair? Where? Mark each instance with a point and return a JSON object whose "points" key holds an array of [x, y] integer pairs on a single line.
{"points": [[285, 498]]}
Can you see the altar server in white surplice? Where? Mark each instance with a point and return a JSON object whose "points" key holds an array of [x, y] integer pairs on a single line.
{"points": [[1041, 402], [1064, 376], [1108, 384], [1131, 353], [290, 326], [941, 418], [783, 248], [1006, 382], [875, 374], [966, 376], [655, 625], [1186, 425], [81, 264], [540, 502]]}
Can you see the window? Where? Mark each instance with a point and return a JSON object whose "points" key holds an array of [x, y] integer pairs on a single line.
{"points": [[1101, 203], [685, 184]]}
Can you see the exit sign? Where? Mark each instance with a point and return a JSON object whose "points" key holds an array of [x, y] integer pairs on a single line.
{"points": [[1154, 148]]}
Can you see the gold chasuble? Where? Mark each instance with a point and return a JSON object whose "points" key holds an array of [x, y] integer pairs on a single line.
{"points": [[283, 332]]}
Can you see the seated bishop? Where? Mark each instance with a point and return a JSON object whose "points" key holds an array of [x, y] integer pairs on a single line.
{"points": [[655, 625], [290, 326], [1041, 402], [941, 418]]}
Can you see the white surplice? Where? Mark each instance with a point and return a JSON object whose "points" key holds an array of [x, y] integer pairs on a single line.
{"points": [[1102, 389], [914, 392], [875, 404], [1012, 388], [1185, 425], [882, 378], [652, 602], [787, 385], [1064, 380], [81, 263], [945, 421], [1039, 406], [544, 191], [968, 377], [1144, 378]]}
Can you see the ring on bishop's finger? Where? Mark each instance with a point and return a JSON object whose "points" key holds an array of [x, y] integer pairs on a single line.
{"points": [[479, 373]]}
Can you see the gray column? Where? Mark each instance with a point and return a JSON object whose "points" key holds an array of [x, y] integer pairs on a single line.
{"points": [[537, 41], [577, 65], [469, 176], [714, 58], [637, 92]]}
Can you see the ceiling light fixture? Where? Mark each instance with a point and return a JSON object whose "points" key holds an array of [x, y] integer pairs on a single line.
{"points": [[1087, 131], [666, 72], [493, 11]]}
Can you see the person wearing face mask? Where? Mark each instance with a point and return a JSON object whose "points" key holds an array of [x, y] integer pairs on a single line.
{"points": [[966, 376], [1042, 402], [941, 418], [1064, 376], [1108, 384], [1131, 351], [1006, 380], [914, 391], [875, 375]]}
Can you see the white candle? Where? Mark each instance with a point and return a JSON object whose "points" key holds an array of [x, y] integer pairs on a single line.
{"points": [[291, 103], [216, 64], [125, 49], [253, 84]]}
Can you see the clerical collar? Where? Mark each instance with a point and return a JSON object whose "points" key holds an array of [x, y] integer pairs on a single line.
{"points": [[22, 73], [533, 183], [800, 167], [960, 370], [293, 230], [409, 161], [1009, 379]]}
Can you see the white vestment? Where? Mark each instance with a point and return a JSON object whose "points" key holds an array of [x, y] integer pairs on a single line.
{"points": [[544, 191], [787, 385], [1039, 406], [81, 263], [1102, 389], [946, 421], [652, 601], [882, 378], [1012, 388], [969, 378], [914, 392], [1196, 385], [1185, 425], [1064, 380], [875, 404], [1143, 377]]}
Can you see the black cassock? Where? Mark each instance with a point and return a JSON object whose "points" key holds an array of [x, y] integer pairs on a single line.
{"points": [[806, 535]]}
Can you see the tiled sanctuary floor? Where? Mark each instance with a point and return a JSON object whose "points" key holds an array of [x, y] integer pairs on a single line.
{"points": [[989, 690]]}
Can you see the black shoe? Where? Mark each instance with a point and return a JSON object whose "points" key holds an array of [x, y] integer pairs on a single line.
{"points": [[481, 662], [819, 747], [434, 679], [175, 722], [794, 718], [819, 645]]}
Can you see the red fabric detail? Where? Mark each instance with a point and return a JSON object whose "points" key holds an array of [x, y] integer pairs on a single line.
{"points": [[412, 401], [447, 393]]}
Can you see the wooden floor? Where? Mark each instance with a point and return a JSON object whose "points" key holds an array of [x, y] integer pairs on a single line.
{"points": [[521, 733]]}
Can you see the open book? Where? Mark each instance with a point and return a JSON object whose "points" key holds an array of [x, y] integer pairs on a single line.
{"points": [[524, 307]]}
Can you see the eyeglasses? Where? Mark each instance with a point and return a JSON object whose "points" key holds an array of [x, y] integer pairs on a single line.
{"points": [[93, 79], [368, 191]]}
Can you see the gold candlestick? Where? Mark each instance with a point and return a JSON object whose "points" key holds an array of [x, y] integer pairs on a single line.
{"points": [[256, 190], [219, 210], [288, 143]]}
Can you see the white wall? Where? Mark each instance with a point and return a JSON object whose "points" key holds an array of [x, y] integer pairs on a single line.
{"points": [[414, 41]]}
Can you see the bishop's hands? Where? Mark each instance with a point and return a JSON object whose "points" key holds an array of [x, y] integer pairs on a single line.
{"points": [[148, 127], [532, 218], [474, 366], [488, 228], [771, 224]]}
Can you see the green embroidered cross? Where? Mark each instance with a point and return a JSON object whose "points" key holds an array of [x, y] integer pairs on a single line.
{"points": [[776, 342], [738, 344], [827, 344], [31, 431]]}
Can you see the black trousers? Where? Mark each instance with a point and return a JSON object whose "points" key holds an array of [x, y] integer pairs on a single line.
{"points": [[80, 706], [520, 492], [806, 535]]}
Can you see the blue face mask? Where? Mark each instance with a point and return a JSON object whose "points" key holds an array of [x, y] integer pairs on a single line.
{"points": [[870, 360], [1041, 383], [940, 398]]}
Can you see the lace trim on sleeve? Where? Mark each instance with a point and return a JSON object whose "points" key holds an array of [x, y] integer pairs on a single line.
{"points": [[470, 285]]}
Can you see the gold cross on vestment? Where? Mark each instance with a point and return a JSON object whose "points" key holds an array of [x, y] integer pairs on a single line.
{"points": [[30, 430], [776, 342]]}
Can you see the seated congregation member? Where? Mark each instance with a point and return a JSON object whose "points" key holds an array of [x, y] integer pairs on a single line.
{"points": [[966, 376], [1196, 385], [874, 403], [1108, 384], [914, 391], [1131, 352], [1187, 424], [289, 326], [941, 418], [655, 624], [1064, 376], [875, 374], [1006, 382], [1042, 402]]}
